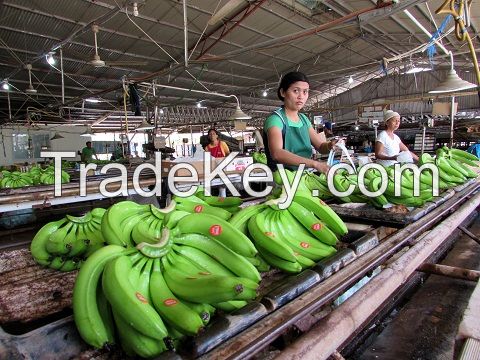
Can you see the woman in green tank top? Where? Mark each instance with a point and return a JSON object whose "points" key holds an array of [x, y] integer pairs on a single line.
{"points": [[288, 134]]}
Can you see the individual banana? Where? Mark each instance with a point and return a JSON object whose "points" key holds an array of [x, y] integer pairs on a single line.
{"points": [[267, 239], [159, 249], [236, 263], [312, 224], [172, 310], [127, 301], [298, 239], [89, 321], [218, 229], [134, 342], [208, 288], [193, 207], [284, 265], [323, 212], [205, 262], [240, 219]]}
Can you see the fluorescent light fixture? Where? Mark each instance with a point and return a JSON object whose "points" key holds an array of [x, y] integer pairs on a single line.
{"points": [[92, 100], [265, 93], [416, 69], [350, 79], [5, 85], [452, 83], [144, 126], [357, 127], [161, 111], [87, 132], [50, 58]]}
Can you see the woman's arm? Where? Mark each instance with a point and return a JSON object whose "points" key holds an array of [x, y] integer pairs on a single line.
{"points": [[285, 157], [322, 146], [404, 147], [380, 152]]}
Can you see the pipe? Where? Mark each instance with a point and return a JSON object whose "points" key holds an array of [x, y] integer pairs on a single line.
{"points": [[185, 33], [420, 26], [452, 115], [283, 40], [337, 327], [61, 72], [450, 271]]}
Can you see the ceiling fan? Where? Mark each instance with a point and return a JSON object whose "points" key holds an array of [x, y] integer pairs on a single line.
{"points": [[98, 62]]}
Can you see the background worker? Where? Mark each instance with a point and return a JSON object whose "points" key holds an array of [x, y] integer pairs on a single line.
{"points": [[88, 152], [388, 145], [288, 134], [217, 148]]}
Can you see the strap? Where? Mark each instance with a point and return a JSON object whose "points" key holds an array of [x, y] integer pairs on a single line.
{"points": [[284, 125]]}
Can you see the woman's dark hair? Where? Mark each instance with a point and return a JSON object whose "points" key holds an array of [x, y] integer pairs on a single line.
{"points": [[212, 129], [289, 79]]}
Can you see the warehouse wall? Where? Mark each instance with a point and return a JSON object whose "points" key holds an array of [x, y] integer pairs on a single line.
{"points": [[14, 154], [393, 88]]}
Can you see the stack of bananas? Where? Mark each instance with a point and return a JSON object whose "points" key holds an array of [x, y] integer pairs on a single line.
{"points": [[259, 157], [34, 176], [453, 165], [164, 289], [63, 244], [294, 238]]}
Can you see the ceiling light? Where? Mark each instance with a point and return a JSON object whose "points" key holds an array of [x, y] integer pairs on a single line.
{"points": [[50, 58], [357, 127], [452, 83], [30, 88], [92, 100], [265, 93], [5, 85], [161, 111], [239, 115], [199, 105], [135, 9], [56, 136], [144, 126], [350, 79], [87, 132]]}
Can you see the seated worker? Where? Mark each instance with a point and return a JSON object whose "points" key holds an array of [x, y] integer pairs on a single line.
{"points": [[327, 129], [288, 134], [217, 148], [88, 152], [388, 145]]}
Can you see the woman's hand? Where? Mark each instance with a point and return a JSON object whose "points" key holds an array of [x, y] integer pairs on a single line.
{"points": [[321, 166]]}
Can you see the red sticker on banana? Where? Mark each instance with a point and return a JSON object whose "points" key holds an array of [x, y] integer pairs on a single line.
{"points": [[141, 298], [215, 230], [316, 226], [221, 199], [305, 245], [198, 208], [322, 202], [170, 302], [269, 233]]}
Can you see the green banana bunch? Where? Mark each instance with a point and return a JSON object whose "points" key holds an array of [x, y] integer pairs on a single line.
{"points": [[63, 244], [318, 183], [119, 221], [128, 301], [15, 179], [94, 326], [259, 157]]}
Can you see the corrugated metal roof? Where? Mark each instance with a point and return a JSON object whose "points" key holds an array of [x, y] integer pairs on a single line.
{"points": [[341, 49]]}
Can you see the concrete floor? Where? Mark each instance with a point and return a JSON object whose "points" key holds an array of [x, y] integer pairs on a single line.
{"points": [[425, 328]]}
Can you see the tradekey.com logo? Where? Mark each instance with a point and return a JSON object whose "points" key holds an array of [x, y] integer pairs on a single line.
{"points": [[254, 173]]}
